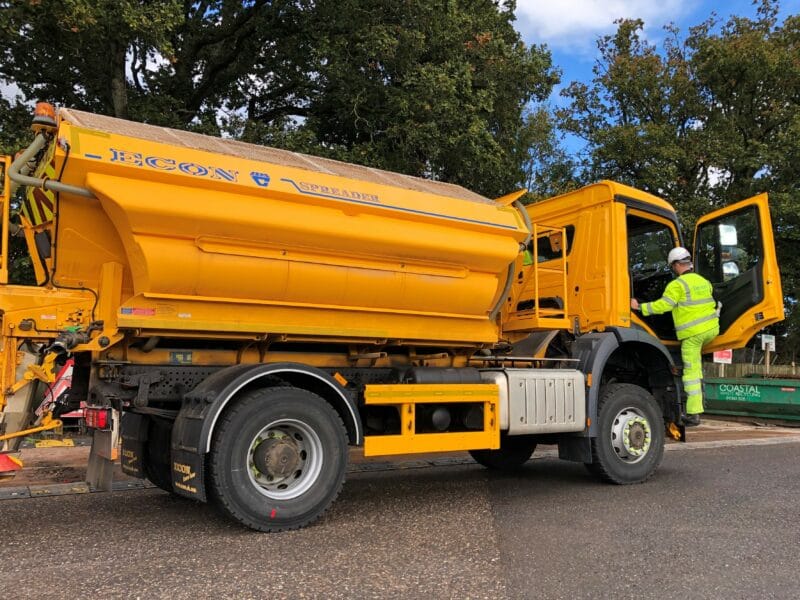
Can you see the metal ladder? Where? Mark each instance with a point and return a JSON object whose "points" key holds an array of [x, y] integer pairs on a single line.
{"points": [[538, 317]]}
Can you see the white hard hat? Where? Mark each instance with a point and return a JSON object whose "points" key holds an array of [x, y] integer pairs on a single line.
{"points": [[678, 254]]}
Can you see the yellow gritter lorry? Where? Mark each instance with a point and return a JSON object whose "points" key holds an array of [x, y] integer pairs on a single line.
{"points": [[240, 316]]}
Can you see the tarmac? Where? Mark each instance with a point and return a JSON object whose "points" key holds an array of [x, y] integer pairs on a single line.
{"points": [[55, 470]]}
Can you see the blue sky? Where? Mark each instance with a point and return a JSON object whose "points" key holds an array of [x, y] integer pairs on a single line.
{"points": [[570, 28]]}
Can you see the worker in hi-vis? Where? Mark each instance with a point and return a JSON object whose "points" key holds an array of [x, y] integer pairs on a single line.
{"points": [[694, 311]]}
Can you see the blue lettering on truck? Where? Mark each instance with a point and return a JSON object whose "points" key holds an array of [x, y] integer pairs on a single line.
{"points": [[160, 163], [260, 179]]}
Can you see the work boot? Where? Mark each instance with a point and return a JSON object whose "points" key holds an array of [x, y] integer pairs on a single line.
{"points": [[691, 420]]}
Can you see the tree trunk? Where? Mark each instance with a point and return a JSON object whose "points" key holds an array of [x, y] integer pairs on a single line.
{"points": [[119, 88]]}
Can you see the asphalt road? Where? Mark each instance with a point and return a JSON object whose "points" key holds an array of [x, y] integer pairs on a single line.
{"points": [[715, 522]]}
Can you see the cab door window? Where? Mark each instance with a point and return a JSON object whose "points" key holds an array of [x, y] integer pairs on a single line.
{"points": [[649, 243], [728, 254]]}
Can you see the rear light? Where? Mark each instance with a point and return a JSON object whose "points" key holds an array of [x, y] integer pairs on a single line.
{"points": [[98, 417]]}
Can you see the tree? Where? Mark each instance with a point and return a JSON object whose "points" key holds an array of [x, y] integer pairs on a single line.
{"points": [[703, 121], [160, 61], [74, 52], [439, 90], [15, 123], [226, 57], [749, 74], [642, 118], [549, 170]]}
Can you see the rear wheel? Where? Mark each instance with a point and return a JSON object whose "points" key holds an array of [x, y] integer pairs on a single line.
{"points": [[278, 459], [514, 452], [630, 443]]}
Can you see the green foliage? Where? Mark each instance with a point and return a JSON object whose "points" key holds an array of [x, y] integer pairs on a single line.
{"points": [[74, 52], [20, 269], [434, 90], [706, 120], [231, 57], [430, 89], [642, 117], [549, 171], [440, 90], [15, 122]]}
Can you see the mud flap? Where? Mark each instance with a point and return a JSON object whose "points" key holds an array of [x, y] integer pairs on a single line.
{"points": [[188, 474], [188, 459], [134, 434], [576, 449]]}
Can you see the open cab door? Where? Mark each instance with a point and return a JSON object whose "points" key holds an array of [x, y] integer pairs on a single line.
{"points": [[734, 249]]}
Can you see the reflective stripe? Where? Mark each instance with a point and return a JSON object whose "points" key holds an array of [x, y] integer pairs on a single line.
{"points": [[686, 289], [693, 393], [696, 302], [647, 307], [696, 322], [687, 365], [693, 382]]}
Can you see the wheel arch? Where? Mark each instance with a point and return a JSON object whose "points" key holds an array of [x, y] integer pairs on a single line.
{"points": [[203, 406], [610, 355], [219, 390]]}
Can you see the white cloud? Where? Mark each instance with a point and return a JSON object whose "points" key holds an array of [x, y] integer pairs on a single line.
{"points": [[573, 25]]}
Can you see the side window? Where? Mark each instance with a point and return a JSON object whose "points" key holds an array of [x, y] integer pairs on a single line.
{"points": [[548, 245], [729, 247]]}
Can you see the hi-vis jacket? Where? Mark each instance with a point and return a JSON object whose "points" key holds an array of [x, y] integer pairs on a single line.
{"points": [[690, 299]]}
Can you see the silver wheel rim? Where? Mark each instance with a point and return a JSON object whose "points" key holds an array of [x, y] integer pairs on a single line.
{"points": [[287, 444], [631, 435]]}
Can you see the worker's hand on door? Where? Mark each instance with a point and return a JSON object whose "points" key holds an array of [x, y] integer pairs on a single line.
{"points": [[634, 304]]}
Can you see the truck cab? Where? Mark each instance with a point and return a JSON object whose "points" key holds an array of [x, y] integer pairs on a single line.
{"points": [[607, 243]]}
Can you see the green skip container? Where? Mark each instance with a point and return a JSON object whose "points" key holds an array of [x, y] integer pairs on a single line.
{"points": [[753, 397]]}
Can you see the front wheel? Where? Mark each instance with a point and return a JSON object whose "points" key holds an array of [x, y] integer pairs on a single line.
{"points": [[630, 443], [278, 459]]}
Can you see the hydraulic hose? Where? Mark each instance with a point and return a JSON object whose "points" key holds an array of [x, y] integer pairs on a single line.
{"points": [[17, 177], [526, 218], [506, 288], [510, 276]]}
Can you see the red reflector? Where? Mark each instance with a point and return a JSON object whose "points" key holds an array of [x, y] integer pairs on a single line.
{"points": [[98, 417]]}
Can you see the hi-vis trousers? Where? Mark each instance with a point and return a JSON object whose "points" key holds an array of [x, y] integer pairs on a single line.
{"points": [[691, 354]]}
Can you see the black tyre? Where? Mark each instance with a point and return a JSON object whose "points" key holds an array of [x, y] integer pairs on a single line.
{"points": [[156, 462], [278, 459], [630, 443], [514, 452]]}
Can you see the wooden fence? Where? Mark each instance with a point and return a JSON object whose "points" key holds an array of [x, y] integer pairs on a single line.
{"points": [[746, 369]]}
